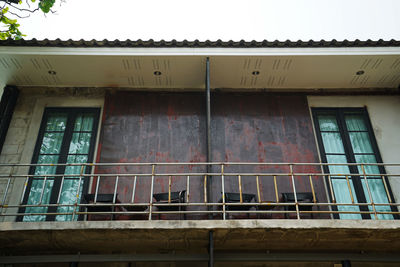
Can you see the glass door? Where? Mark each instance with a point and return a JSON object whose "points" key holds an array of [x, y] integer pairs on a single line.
{"points": [[345, 136], [67, 135]]}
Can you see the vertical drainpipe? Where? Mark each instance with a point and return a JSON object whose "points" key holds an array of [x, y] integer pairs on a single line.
{"points": [[211, 249], [7, 105], [208, 126], [209, 159]]}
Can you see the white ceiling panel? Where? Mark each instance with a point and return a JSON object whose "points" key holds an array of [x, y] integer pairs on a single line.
{"points": [[271, 71]]}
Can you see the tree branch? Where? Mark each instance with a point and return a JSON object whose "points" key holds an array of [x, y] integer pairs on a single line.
{"points": [[24, 9], [10, 1], [21, 17]]}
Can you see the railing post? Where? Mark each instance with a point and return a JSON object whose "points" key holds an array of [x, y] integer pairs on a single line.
{"points": [[369, 191], [134, 189], [350, 191], [223, 192], [3, 202], [187, 188], [276, 189], [78, 191], [24, 190], [294, 191], [151, 191]]}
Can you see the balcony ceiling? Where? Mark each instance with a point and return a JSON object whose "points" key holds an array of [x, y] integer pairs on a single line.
{"points": [[184, 67]]}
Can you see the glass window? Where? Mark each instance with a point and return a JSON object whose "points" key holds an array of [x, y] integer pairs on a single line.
{"points": [[345, 137], [66, 136]]}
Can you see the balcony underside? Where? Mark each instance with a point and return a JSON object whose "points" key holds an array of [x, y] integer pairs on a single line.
{"points": [[246, 236]]}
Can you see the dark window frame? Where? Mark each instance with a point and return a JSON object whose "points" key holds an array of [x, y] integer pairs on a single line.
{"points": [[72, 113], [339, 114]]}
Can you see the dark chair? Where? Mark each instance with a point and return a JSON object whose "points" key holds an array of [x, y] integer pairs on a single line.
{"points": [[235, 198], [303, 197], [101, 198], [176, 197]]}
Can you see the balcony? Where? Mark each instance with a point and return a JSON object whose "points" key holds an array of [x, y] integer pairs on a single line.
{"points": [[177, 211], [187, 191]]}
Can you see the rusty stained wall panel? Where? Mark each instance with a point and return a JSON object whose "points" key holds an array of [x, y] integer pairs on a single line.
{"points": [[264, 128], [152, 127], [170, 127]]}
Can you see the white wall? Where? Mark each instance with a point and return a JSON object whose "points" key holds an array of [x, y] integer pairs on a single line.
{"points": [[384, 113]]}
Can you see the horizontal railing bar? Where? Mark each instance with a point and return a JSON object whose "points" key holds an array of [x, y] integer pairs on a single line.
{"points": [[113, 175], [198, 163], [204, 212]]}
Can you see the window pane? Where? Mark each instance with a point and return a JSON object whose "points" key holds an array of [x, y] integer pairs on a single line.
{"points": [[332, 143], [327, 123], [84, 122], [360, 142], [34, 199], [56, 122], [355, 122], [51, 143], [337, 169], [45, 170], [80, 143], [342, 195], [369, 169], [378, 193], [69, 191]]}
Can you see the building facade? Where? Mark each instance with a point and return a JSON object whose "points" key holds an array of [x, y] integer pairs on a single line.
{"points": [[173, 153]]}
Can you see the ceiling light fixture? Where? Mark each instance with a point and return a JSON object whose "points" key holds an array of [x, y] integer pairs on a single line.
{"points": [[360, 72], [157, 73], [52, 72]]}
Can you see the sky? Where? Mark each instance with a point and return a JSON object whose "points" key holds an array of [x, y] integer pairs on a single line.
{"points": [[217, 19]]}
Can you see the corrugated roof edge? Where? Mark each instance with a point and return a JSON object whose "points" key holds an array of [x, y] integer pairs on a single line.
{"points": [[199, 44]]}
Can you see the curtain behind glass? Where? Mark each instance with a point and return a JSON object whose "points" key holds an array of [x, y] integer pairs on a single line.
{"points": [[335, 153], [49, 153], [363, 153], [78, 153]]}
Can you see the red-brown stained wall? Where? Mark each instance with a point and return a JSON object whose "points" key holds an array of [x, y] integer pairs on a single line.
{"points": [[264, 128], [170, 127], [152, 127]]}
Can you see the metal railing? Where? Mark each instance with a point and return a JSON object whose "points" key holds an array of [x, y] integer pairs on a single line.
{"points": [[230, 190]]}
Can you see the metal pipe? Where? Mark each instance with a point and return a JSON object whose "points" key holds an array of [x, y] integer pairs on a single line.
{"points": [[350, 191], [134, 189], [24, 190], [211, 249], [223, 192], [208, 126], [258, 189], [97, 188], [312, 190], [169, 188], [187, 188], [153, 167], [61, 188], [43, 188], [276, 189], [371, 200], [240, 188], [294, 191]]}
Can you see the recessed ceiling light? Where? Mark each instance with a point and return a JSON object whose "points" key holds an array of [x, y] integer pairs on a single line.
{"points": [[360, 72], [255, 73], [157, 73], [52, 72]]}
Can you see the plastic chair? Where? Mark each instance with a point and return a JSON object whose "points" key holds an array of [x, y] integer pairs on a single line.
{"points": [[176, 197], [303, 197]]}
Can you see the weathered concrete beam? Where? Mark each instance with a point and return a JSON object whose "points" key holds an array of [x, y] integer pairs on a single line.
{"points": [[231, 236]]}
